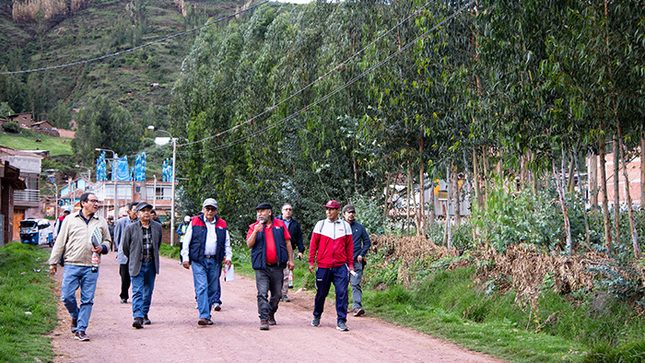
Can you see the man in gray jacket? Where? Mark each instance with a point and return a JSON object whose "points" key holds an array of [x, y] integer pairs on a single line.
{"points": [[141, 242], [119, 230], [82, 234]]}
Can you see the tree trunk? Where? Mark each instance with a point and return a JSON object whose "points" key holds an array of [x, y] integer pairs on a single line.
{"points": [[486, 176], [533, 176], [433, 213], [643, 170], [422, 190], [449, 203], [409, 186], [476, 179], [455, 193], [628, 198], [593, 179], [616, 189], [582, 192], [560, 186], [603, 193], [571, 181]]}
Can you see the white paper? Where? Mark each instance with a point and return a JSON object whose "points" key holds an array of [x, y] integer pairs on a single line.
{"points": [[229, 273]]}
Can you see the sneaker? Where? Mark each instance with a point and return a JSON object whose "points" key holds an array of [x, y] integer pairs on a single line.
{"points": [[342, 326], [316, 321], [217, 306], [264, 325], [204, 321], [80, 335], [272, 319], [74, 322], [137, 323], [359, 312], [285, 298], [146, 321], [124, 301]]}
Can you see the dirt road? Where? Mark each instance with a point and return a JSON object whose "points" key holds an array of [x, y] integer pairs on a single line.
{"points": [[174, 335]]}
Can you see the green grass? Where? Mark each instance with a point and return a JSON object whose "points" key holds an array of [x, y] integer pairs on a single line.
{"points": [[27, 304], [26, 140]]}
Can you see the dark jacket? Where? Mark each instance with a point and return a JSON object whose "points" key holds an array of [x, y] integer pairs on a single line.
{"points": [[296, 234], [259, 251], [132, 245], [362, 241], [197, 243]]}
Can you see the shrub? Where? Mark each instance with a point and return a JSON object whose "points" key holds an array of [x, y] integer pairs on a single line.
{"points": [[12, 127]]}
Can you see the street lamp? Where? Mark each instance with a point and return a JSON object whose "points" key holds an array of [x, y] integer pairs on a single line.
{"points": [[89, 172], [114, 158], [172, 205]]}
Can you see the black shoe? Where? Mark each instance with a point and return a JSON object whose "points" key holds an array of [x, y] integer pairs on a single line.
{"points": [[315, 321], [204, 321], [137, 323], [124, 301], [359, 312], [80, 335], [146, 321], [271, 320], [74, 322], [264, 325], [342, 326]]}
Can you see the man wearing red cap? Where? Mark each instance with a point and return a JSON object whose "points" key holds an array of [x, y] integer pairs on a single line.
{"points": [[332, 247]]}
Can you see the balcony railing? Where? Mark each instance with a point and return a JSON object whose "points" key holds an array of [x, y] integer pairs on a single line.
{"points": [[27, 195]]}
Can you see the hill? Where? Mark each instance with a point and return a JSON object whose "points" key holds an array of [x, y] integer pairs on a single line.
{"points": [[140, 81], [27, 140]]}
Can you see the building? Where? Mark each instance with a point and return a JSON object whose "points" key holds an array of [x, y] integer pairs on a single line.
{"points": [[10, 182], [70, 195], [633, 173], [26, 202], [159, 194]]}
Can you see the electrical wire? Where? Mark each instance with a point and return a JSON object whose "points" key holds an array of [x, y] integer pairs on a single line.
{"points": [[116, 54], [333, 92]]}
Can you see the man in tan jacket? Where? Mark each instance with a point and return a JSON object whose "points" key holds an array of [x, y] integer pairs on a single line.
{"points": [[82, 234]]}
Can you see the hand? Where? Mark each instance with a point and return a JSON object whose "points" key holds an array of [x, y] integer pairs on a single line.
{"points": [[227, 263], [291, 265], [359, 258], [186, 264], [258, 227], [300, 255], [98, 249], [351, 271], [312, 269], [52, 269]]}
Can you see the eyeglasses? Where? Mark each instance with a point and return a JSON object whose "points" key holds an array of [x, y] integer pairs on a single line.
{"points": [[286, 209], [211, 209], [95, 201]]}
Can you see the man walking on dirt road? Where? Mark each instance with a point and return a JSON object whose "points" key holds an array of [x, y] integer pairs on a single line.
{"points": [[271, 252], [206, 245], [119, 230], [141, 243], [332, 248], [82, 235], [362, 244], [296, 242]]}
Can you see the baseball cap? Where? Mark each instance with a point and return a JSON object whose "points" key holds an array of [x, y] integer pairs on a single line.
{"points": [[264, 205], [210, 202], [186, 219], [332, 204], [142, 205], [349, 208]]}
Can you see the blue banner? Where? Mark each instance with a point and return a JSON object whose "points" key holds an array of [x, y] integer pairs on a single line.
{"points": [[121, 170]]}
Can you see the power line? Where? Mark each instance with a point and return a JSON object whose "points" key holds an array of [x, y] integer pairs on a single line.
{"points": [[116, 54], [333, 70], [333, 92]]}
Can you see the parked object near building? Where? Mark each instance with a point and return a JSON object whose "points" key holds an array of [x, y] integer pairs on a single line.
{"points": [[36, 232]]}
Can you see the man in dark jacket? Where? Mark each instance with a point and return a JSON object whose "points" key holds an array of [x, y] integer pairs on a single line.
{"points": [[271, 252], [362, 244], [141, 242], [296, 242]]}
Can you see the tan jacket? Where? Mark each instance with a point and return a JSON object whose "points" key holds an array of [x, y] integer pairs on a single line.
{"points": [[74, 240]]}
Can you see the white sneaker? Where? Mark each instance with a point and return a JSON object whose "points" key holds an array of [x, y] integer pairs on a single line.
{"points": [[217, 307]]}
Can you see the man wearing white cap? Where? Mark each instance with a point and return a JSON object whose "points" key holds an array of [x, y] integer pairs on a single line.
{"points": [[207, 244], [181, 231]]}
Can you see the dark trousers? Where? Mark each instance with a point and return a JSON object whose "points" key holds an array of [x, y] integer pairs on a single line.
{"points": [[125, 280], [324, 278], [268, 279]]}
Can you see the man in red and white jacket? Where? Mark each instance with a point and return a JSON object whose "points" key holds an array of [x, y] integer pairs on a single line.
{"points": [[332, 247]]}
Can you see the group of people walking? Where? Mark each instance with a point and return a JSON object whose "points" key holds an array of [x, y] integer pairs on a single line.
{"points": [[337, 250]]}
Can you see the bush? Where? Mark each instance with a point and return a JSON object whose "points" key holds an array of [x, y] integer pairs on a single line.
{"points": [[12, 127]]}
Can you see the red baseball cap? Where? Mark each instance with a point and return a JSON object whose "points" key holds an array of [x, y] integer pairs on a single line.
{"points": [[332, 204]]}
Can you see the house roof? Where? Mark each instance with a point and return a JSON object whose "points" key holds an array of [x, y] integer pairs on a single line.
{"points": [[9, 151]]}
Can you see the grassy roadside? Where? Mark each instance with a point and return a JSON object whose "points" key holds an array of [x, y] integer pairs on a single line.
{"points": [[27, 304], [26, 140]]}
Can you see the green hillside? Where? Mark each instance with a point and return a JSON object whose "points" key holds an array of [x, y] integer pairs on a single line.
{"points": [[32, 141], [140, 80]]}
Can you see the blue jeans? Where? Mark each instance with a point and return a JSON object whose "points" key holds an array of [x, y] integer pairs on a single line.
{"points": [[357, 291], [206, 279], [268, 279], [75, 276], [142, 286], [324, 278]]}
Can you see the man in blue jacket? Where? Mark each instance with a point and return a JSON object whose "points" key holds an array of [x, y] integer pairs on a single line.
{"points": [[362, 244], [296, 242]]}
